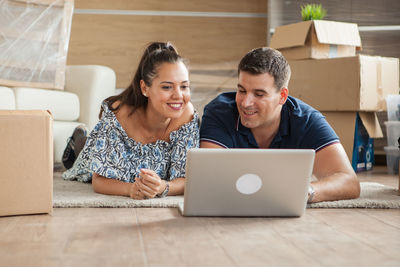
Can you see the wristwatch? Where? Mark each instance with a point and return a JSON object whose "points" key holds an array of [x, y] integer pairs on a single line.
{"points": [[165, 192], [311, 193]]}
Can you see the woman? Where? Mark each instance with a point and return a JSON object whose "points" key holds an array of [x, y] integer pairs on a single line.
{"points": [[138, 148]]}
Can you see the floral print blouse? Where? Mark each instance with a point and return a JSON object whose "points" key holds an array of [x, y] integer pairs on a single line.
{"points": [[109, 152]]}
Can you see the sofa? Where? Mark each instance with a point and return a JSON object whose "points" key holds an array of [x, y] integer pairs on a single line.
{"points": [[86, 86]]}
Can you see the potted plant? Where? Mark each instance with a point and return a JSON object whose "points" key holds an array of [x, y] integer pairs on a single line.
{"points": [[312, 12]]}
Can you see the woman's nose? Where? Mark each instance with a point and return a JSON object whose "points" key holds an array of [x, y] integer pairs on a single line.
{"points": [[177, 92]]}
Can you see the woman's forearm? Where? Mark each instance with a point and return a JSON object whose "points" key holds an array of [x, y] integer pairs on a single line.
{"points": [[176, 187], [108, 186]]}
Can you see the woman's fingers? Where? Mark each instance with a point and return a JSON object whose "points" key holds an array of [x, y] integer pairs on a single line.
{"points": [[133, 191], [147, 190], [151, 182], [150, 177], [136, 193]]}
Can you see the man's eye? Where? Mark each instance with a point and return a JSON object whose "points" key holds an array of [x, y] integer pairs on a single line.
{"points": [[259, 94], [185, 87], [242, 91]]}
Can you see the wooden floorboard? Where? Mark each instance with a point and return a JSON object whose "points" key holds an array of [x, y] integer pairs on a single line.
{"points": [[162, 237], [372, 240]]}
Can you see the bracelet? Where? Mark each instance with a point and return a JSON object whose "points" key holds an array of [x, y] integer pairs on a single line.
{"points": [[166, 190], [311, 193]]}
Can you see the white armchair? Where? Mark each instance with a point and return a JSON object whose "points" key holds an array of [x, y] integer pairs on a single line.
{"points": [[86, 86]]}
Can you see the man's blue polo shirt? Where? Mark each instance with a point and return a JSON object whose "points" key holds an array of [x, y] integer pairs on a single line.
{"points": [[301, 126]]}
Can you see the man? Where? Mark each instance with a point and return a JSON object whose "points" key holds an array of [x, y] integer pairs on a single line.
{"points": [[261, 114]]}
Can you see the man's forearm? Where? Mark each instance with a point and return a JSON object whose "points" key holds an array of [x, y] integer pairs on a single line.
{"points": [[336, 186]]}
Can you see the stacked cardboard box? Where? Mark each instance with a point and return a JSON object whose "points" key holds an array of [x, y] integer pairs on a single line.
{"points": [[26, 162], [347, 88]]}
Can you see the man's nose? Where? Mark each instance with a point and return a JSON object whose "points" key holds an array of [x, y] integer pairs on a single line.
{"points": [[247, 100]]}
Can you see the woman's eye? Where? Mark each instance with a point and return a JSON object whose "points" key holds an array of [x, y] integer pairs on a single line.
{"points": [[242, 91], [259, 95], [166, 87], [185, 87]]}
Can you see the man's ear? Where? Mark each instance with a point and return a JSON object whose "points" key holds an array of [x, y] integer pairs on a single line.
{"points": [[143, 87], [284, 95]]}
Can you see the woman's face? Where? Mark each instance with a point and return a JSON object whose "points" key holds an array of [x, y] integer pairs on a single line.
{"points": [[170, 92]]}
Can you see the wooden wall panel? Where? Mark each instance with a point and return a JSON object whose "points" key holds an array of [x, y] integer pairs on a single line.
{"points": [[381, 43], [286, 12], [252, 6], [118, 41], [372, 12], [362, 12]]}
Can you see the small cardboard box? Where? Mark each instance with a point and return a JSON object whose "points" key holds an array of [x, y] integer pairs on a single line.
{"points": [[358, 83], [26, 162], [356, 130], [317, 39]]}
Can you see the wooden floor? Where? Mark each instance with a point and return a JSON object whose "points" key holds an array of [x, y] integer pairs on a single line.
{"points": [[161, 237]]}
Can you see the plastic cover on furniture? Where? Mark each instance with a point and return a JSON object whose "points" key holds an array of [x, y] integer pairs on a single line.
{"points": [[34, 37]]}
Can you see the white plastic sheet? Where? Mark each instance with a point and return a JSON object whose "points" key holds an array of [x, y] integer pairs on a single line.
{"points": [[34, 37]]}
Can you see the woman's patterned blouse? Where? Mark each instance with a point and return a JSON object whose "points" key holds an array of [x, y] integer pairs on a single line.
{"points": [[109, 152]]}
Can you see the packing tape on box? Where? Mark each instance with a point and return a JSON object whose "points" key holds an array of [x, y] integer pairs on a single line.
{"points": [[333, 51]]}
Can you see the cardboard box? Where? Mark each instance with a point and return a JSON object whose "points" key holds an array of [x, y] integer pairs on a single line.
{"points": [[356, 130], [317, 39], [358, 83], [26, 162]]}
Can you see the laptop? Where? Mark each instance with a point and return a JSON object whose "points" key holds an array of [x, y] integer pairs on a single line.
{"points": [[247, 182]]}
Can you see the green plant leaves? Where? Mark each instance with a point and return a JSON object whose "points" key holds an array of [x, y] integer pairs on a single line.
{"points": [[312, 12]]}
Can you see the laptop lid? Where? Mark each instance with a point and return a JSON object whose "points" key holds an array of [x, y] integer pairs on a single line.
{"points": [[247, 182]]}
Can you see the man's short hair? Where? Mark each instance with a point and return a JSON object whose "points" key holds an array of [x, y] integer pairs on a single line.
{"points": [[267, 60]]}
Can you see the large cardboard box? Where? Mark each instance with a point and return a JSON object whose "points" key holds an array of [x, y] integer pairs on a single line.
{"points": [[26, 162], [358, 83], [317, 39], [356, 131]]}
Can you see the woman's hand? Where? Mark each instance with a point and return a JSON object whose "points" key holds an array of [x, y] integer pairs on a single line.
{"points": [[135, 193], [149, 183]]}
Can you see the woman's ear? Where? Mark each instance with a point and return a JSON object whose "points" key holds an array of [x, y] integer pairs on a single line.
{"points": [[284, 95], [143, 87]]}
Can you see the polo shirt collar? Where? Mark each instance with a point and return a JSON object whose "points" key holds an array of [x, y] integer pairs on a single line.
{"points": [[284, 127], [245, 131]]}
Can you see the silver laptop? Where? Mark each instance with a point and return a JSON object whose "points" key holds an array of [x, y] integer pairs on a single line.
{"points": [[247, 182]]}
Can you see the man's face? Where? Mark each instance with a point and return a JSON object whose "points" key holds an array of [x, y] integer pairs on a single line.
{"points": [[258, 101]]}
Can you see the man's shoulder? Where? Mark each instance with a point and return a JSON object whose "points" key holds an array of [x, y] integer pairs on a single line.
{"points": [[300, 109], [302, 116], [306, 126], [223, 105]]}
